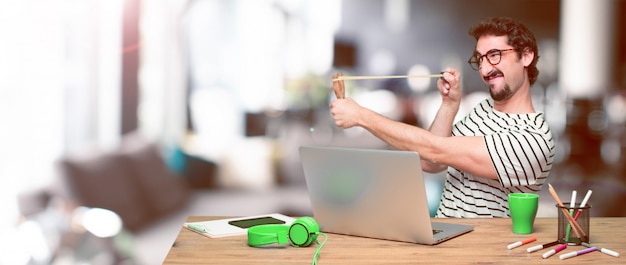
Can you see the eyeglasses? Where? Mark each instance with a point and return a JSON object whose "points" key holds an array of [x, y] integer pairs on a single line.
{"points": [[493, 57]]}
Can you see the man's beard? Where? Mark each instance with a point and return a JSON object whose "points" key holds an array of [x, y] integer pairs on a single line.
{"points": [[503, 94]]}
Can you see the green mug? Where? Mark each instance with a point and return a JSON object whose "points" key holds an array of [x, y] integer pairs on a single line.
{"points": [[523, 209]]}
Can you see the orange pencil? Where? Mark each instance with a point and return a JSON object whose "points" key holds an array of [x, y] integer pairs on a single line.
{"points": [[575, 226]]}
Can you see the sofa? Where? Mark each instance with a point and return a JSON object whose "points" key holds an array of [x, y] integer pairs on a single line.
{"points": [[133, 181]]}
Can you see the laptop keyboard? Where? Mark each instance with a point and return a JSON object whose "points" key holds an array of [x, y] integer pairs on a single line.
{"points": [[437, 231]]}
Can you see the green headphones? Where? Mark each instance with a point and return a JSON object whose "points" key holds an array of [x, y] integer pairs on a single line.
{"points": [[301, 233]]}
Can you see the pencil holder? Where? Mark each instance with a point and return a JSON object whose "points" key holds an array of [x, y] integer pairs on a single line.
{"points": [[573, 224]]}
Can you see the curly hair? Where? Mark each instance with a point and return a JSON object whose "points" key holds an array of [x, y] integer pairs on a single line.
{"points": [[518, 36]]}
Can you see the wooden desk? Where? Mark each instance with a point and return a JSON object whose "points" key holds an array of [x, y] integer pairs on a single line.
{"points": [[486, 244]]}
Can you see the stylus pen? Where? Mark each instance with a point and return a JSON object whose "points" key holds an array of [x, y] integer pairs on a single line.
{"points": [[554, 251], [519, 243], [196, 228], [603, 250], [577, 253], [538, 247]]}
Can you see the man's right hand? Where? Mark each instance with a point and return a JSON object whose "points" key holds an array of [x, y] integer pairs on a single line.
{"points": [[450, 87]]}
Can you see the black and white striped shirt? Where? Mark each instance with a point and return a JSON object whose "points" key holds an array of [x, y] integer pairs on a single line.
{"points": [[521, 149]]}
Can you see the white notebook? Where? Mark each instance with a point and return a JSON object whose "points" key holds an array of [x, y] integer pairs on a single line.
{"points": [[235, 226]]}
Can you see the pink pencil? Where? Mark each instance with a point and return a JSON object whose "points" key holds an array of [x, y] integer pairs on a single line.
{"points": [[582, 204]]}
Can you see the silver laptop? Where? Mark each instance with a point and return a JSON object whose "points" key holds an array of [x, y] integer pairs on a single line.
{"points": [[372, 193]]}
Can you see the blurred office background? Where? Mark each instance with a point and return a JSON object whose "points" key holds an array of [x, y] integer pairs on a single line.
{"points": [[208, 101]]}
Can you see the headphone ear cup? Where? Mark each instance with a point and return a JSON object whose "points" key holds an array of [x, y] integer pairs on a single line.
{"points": [[303, 231], [260, 235]]}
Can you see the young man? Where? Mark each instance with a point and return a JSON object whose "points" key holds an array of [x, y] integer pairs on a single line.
{"points": [[502, 146]]}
